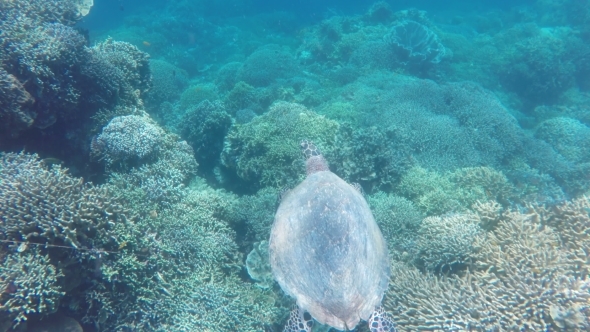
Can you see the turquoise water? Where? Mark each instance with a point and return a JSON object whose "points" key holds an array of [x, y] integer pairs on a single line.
{"points": [[145, 147]]}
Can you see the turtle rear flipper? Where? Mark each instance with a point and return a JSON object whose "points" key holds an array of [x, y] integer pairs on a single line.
{"points": [[381, 321], [299, 321]]}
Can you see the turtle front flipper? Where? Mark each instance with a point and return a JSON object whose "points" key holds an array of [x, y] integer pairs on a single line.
{"points": [[381, 321], [299, 321]]}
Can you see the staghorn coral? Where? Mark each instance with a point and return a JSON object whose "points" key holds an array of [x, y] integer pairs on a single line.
{"points": [[163, 179], [181, 271], [42, 206], [35, 12], [33, 284], [133, 63], [50, 206], [524, 277]]}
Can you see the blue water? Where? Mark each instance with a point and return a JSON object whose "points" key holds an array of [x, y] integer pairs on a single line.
{"points": [[151, 162]]}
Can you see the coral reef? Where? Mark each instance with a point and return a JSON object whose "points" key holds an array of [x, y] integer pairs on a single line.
{"points": [[204, 127], [50, 206], [360, 156], [128, 138], [266, 65], [523, 276], [539, 64], [443, 126], [414, 43], [30, 284], [399, 221], [15, 102], [436, 193], [182, 274], [257, 213], [136, 150], [167, 83], [567, 136], [265, 151], [48, 216], [444, 243]]}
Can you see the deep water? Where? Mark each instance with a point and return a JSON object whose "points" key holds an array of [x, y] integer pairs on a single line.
{"points": [[146, 146]]}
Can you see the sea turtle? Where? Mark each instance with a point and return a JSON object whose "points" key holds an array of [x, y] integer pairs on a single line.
{"points": [[327, 252]]}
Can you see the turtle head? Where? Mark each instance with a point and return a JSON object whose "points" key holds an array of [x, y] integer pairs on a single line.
{"points": [[315, 162]]}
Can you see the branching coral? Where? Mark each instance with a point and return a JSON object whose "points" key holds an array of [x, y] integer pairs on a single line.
{"points": [[265, 151], [50, 206], [445, 243], [360, 156], [30, 285], [15, 103], [524, 277], [128, 138], [39, 207], [399, 221]]}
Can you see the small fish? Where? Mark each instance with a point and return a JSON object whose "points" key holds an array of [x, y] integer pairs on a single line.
{"points": [[122, 245], [146, 43], [22, 247]]}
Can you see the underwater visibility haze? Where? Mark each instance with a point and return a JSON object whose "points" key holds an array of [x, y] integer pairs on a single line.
{"points": [[146, 146]]}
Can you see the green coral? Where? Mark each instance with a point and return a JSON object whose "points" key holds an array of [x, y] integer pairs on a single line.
{"points": [[180, 269], [195, 94], [266, 152], [456, 191], [204, 127], [399, 220], [257, 212], [568, 136]]}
